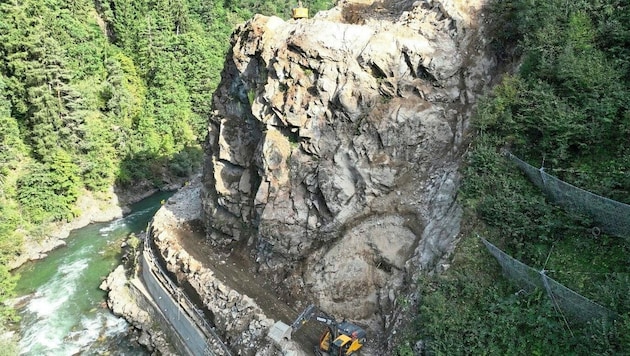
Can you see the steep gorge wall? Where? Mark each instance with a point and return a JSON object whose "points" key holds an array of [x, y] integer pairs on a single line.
{"points": [[335, 144]]}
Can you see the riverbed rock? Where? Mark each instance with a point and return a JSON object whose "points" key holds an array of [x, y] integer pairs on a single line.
{"points": [[120, 300], [126, 298]]}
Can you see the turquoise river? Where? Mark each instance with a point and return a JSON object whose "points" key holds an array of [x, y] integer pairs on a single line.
{"points": [[64, 311]]}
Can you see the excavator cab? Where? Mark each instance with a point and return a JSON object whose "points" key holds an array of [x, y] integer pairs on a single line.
{"points": [[299, 12], [348, 339]]}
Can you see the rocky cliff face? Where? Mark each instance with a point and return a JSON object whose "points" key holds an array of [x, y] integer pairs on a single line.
{"points": [[334, 149]]}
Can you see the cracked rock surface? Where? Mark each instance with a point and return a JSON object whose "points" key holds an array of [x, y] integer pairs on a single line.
{"points": [[336, 142], [333, 156]]}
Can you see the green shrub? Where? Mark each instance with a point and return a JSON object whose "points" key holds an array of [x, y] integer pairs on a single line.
{"points": [[47, 192]]}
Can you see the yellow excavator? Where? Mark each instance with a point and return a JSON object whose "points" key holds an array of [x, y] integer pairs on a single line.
{"points": [[338, 339]]}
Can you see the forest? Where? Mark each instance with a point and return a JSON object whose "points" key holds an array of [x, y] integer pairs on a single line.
{"points": [[562, 106], [103, 93]]}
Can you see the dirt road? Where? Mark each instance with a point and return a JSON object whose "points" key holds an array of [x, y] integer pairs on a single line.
{"points": [[238, 272]]}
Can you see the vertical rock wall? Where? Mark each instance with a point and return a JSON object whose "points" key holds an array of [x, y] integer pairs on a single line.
{"points": [[335, 144]]}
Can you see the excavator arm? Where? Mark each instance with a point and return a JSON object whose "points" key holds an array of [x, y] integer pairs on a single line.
{"points": [[339, 338], [303, 317], [309, 314]]}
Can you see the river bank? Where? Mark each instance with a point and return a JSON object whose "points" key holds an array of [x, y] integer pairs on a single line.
{"points": [[65, 312], [105, 207], [127, 295]]}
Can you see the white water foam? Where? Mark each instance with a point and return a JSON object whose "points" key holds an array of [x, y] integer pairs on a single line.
{"points": [[52, 295], [113, 226], [115, 325], [122, 222], [93, 329], [55, 322], [90, 331], [45, 324]]}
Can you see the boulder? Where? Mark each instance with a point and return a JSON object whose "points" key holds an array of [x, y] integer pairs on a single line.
{"points": [[336, 142]]}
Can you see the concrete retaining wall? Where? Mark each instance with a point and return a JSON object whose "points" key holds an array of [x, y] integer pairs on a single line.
{"points": [[193, 335]]}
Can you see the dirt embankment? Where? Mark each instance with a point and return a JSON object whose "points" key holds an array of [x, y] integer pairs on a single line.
{"points": [[240, 301], [237, 271]]}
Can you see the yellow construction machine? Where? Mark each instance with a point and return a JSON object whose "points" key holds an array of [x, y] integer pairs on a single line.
{"points": [[338, 339], [299, 12]]}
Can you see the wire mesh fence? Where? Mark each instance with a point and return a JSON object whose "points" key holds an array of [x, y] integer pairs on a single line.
{"points": [[575, 305], [611, 216], [569, 303], [524, 276]]}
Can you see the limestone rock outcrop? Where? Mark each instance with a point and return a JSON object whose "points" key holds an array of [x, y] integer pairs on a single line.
{"points": [[120, 300]]}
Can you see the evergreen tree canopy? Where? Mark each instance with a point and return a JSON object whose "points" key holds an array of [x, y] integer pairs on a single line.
{"points": [[101, 93]]}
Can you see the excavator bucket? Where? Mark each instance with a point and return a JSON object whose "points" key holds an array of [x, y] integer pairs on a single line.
{"points": [[280, 332], [325, 340]]}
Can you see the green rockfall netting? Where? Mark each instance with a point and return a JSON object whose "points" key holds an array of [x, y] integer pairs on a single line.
{"points": [[572, 306], [611, 216]]}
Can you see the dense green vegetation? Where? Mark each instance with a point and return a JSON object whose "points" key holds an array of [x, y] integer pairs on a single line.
{"points": [[101, 93], [565, 108]]}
